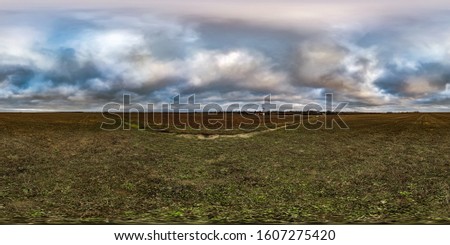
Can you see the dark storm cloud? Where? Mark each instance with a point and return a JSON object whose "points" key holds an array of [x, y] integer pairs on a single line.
{"points": [[425, 79], [79, 60]]}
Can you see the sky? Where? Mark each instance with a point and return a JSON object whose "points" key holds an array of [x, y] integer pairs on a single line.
{"points": [[80, 55]]}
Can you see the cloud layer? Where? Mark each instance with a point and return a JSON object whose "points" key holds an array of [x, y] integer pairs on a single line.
{"points": [[80, 60]]}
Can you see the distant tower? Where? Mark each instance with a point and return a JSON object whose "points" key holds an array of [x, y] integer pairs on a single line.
{"points": [[264, 109]]}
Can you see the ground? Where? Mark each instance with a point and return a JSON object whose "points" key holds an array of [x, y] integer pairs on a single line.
{"points": [[386, 168]]}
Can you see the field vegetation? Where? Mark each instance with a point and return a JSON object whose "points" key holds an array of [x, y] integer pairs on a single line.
{"points": [[386, 168]]}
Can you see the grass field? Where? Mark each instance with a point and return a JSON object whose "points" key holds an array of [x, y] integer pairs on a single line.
{"points": [[387, 168]]}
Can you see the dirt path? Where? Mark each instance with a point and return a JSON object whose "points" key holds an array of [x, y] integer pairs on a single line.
{"points": [[241, 135], [217, 136]]}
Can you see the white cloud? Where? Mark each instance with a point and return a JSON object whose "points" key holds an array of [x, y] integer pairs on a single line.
{"points": [[239, 68], [419, 86], [341, 67], [23, 46], [93, 56]]}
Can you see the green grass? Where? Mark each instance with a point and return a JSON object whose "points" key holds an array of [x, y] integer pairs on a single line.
{"points": [[384, 169]]}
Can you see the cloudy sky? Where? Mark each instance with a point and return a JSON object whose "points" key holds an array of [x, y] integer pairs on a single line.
{"points": [[79, 55]]}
